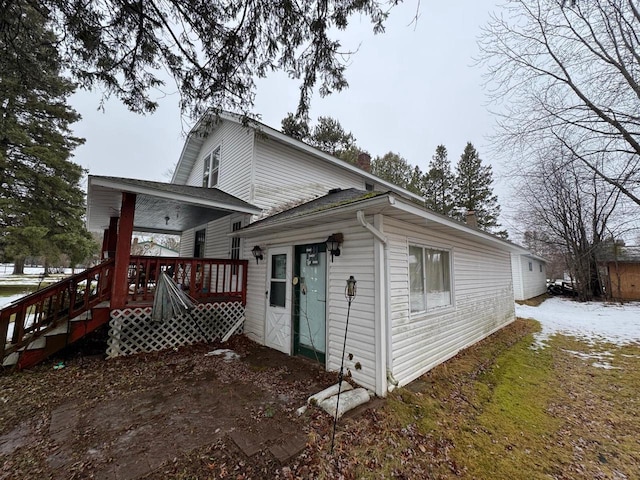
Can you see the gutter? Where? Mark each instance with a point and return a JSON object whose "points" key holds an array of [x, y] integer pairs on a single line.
{"points": [[388, 382]]}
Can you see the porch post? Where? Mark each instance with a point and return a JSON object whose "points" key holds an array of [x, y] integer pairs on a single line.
{"points": [[105, 245], [120, 285], [113, 237]]}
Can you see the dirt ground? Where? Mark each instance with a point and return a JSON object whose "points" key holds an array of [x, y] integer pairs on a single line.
{"points": [[143, 416]]}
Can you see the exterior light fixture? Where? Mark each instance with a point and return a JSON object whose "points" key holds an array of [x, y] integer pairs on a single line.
{"points": [[166, 220], [350, 290], [257, 253], [333, 244]]}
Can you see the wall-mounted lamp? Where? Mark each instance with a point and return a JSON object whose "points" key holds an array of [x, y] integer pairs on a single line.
{"points": [[350, 290], [333, 244], [257, 253], [166, 220]]}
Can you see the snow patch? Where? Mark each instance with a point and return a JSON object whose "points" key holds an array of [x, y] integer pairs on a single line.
{"points": [[228, 354], [593, 322]]}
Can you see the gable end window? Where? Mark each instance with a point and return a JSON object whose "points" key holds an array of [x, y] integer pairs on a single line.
{"points": [[531, 266], [429, 279], [211, 168]]}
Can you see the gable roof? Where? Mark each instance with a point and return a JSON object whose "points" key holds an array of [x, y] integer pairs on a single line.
{"points": [[197, 136], [342, 205]]}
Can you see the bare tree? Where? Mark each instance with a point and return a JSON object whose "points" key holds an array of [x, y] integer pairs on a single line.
{"points": [[568, 73], [573, 210]]}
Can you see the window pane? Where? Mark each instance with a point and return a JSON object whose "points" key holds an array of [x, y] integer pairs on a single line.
{"points": [[277, 294], [438, 278], [416, 280], [279, 266], [207, 171]]}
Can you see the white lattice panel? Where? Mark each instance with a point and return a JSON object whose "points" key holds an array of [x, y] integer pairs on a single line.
{"points": [[133, 331]]}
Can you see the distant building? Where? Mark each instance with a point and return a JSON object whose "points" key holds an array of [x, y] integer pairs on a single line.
{"points": [[152, 249]]}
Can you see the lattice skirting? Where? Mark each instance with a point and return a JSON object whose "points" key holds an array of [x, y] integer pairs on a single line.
{"points": [[133, 331]]}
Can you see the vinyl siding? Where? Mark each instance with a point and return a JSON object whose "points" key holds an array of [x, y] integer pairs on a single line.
{"points": [[187, 240], [482, 300], [532, 282], [285, 176], [356, 259], [516, 273], [236, 152], [216, 239]]}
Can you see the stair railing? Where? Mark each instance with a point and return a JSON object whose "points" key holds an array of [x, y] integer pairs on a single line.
{"points": [[35, 314]]}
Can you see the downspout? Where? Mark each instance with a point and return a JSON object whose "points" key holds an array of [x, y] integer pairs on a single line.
{"points": [[385, 325]]}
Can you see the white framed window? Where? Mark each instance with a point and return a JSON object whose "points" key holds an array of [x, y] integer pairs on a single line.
{"points": [[429, 279], [211, 168], [531, 266], [540, 268]]}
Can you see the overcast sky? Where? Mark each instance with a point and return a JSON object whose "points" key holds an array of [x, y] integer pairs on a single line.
{"points": [[410, 89]]}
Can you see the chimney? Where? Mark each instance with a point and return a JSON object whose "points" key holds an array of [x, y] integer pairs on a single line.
{"points": [[470, 218], [364, 162]]}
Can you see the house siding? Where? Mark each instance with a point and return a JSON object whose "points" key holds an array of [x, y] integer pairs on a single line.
{"points": [[187, 241], [236, 153], [356, 260], [528, 283], [284, 176], [483, 300]]}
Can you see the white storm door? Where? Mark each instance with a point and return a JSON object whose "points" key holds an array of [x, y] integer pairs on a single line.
{"points": [[278, 319]]}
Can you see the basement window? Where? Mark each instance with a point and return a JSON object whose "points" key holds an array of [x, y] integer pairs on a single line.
{"points": [[429, 279]]}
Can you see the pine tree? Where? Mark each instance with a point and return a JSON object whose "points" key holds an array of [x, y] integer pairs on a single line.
{"points": [[474, 192], [439, 183], [392, 168], [42, 204]]}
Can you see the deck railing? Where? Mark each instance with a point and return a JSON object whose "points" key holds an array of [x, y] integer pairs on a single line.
{"points": [[34, 314], [204, 279]]}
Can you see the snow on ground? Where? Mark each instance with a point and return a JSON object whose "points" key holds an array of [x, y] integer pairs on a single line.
{"points": [[590, 321], [4, 301]]}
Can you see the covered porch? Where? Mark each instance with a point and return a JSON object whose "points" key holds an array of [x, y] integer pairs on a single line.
{"points": [[119, 206], [121, 289]]}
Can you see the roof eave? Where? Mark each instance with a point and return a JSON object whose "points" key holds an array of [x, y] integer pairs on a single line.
{"points": [[141, 190], [378, 201]]}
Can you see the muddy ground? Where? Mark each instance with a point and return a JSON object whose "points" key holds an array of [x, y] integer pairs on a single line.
{"points": [[142, 416]]}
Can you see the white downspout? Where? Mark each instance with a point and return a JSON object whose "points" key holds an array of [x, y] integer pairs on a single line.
{"points": [[385, 327]]}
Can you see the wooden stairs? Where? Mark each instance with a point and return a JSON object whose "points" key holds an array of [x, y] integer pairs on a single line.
{"points": [[50, 319]]}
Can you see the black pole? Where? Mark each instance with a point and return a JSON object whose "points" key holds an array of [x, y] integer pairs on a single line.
{"points": [[350, 293]]}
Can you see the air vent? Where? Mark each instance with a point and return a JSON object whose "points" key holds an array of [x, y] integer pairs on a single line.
{"points": [[335, 190]]}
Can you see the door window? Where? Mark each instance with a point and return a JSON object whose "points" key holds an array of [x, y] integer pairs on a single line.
{"points": [[278, 290]]}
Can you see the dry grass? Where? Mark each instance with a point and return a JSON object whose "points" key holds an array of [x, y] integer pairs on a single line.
{"points": [[503, 410]]}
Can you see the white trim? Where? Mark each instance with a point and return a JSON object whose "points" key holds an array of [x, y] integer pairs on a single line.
{"points": [[427, 312], [141, 190]]}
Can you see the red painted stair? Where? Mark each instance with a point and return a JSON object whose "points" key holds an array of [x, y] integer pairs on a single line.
{"points": [[50, 319]]}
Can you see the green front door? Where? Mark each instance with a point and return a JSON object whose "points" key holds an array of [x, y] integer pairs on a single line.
{"points": [[310, 287]]}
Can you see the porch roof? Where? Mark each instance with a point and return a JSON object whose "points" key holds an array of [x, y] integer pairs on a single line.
{"points": [[343, 204], [185, 206]]}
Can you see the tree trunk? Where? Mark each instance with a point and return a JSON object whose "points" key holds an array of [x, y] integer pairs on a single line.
{"points": [[18, 266]]}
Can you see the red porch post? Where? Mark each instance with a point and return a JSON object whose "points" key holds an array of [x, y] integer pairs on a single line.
{"points": [[120, 285], [113, 237]]}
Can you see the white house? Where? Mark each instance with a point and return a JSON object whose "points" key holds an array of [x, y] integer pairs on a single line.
{"points": [[427, 286], [529, 275]]}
